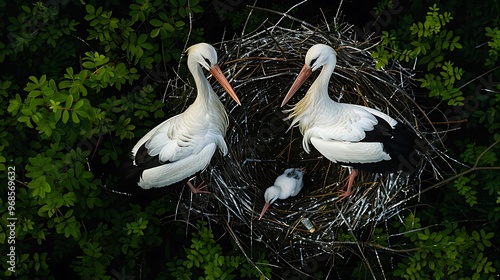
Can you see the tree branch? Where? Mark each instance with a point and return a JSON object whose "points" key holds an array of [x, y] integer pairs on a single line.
{"points": [[472, 169]]}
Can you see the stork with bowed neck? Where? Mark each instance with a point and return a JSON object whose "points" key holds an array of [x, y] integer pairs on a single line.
{"points": [[184, 144], [287, 184], [353, 135]]}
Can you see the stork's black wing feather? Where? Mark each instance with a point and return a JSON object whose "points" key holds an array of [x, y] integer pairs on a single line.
{"points": [[381, 132], [398, 141], [128, 175]]}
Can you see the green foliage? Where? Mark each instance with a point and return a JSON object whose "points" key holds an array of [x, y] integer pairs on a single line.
{"points": [[93, 262], [383, 5], [136, 228], [74, 82], [47, 105], [205, 259], [487, 115], [455, 60], [166, 23], [483, 185], [494, 44], [467, 188], [429, 43], [443, 84], [452, 252], [33, 27], [433, 23]]}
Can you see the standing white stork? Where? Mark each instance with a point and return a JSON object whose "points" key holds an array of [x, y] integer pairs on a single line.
{"points": [[184, 144], [287, 184], [352, 135]]}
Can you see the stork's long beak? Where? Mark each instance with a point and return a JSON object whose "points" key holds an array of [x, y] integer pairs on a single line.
{"points": [[264, 209], [301, 78], [217, 73]]}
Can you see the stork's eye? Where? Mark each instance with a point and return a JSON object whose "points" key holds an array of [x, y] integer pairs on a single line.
{"points": [[207, 61], [313, 61]]}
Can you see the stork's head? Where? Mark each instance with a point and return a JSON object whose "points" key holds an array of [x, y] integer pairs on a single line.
{"points": [[203, 54], [206, 56], [319, 55], [272, 193], [316, 57]]}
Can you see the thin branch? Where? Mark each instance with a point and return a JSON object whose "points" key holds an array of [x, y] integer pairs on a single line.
{"points": [[286, 14], [484, 152], [472, 169], [282, 14], [472, 80]]}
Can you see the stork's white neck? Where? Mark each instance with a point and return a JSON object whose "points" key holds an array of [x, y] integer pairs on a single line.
{"points": [[318, 92], [202, 85], [316, 98], [207, 105]]}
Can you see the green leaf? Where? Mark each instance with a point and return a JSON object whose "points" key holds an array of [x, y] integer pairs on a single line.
{"points": [[422, 236], [89, 65], [489, 235], [156, 22], [69, 101], [83, 113], [168, 27], [90, 9], [65, 116], [39, 187], [78, 104], [155, 32], [475, 235], [182, 12], [69, 199]]}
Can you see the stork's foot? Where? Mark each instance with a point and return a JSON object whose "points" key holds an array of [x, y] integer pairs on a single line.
{"points": [[344, 194], [198, 189], [350, 181]]}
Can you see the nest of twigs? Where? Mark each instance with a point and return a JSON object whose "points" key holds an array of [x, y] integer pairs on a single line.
{"points": [[261, 66]]}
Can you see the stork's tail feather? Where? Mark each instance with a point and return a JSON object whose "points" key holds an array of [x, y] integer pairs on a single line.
{"points": [[404, 148], [127, 176]]}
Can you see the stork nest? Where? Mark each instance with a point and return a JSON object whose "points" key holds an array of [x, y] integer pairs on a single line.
{"points": [[261, 67]]}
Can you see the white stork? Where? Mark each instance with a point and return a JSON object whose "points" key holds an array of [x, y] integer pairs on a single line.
{"points": [[287, 184], [353, 135], [184, 144]]}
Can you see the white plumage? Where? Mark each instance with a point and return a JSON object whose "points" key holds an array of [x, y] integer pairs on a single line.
{"points": [[287, 184], [184, 144], [349, 134]]}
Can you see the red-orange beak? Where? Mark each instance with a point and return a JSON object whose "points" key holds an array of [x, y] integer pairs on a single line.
{"points": [[217, 73], [264, 209], [301, 78]]}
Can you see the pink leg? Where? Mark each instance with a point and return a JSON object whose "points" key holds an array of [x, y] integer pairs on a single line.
{"points": [[350, 181], [199, 189]]}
